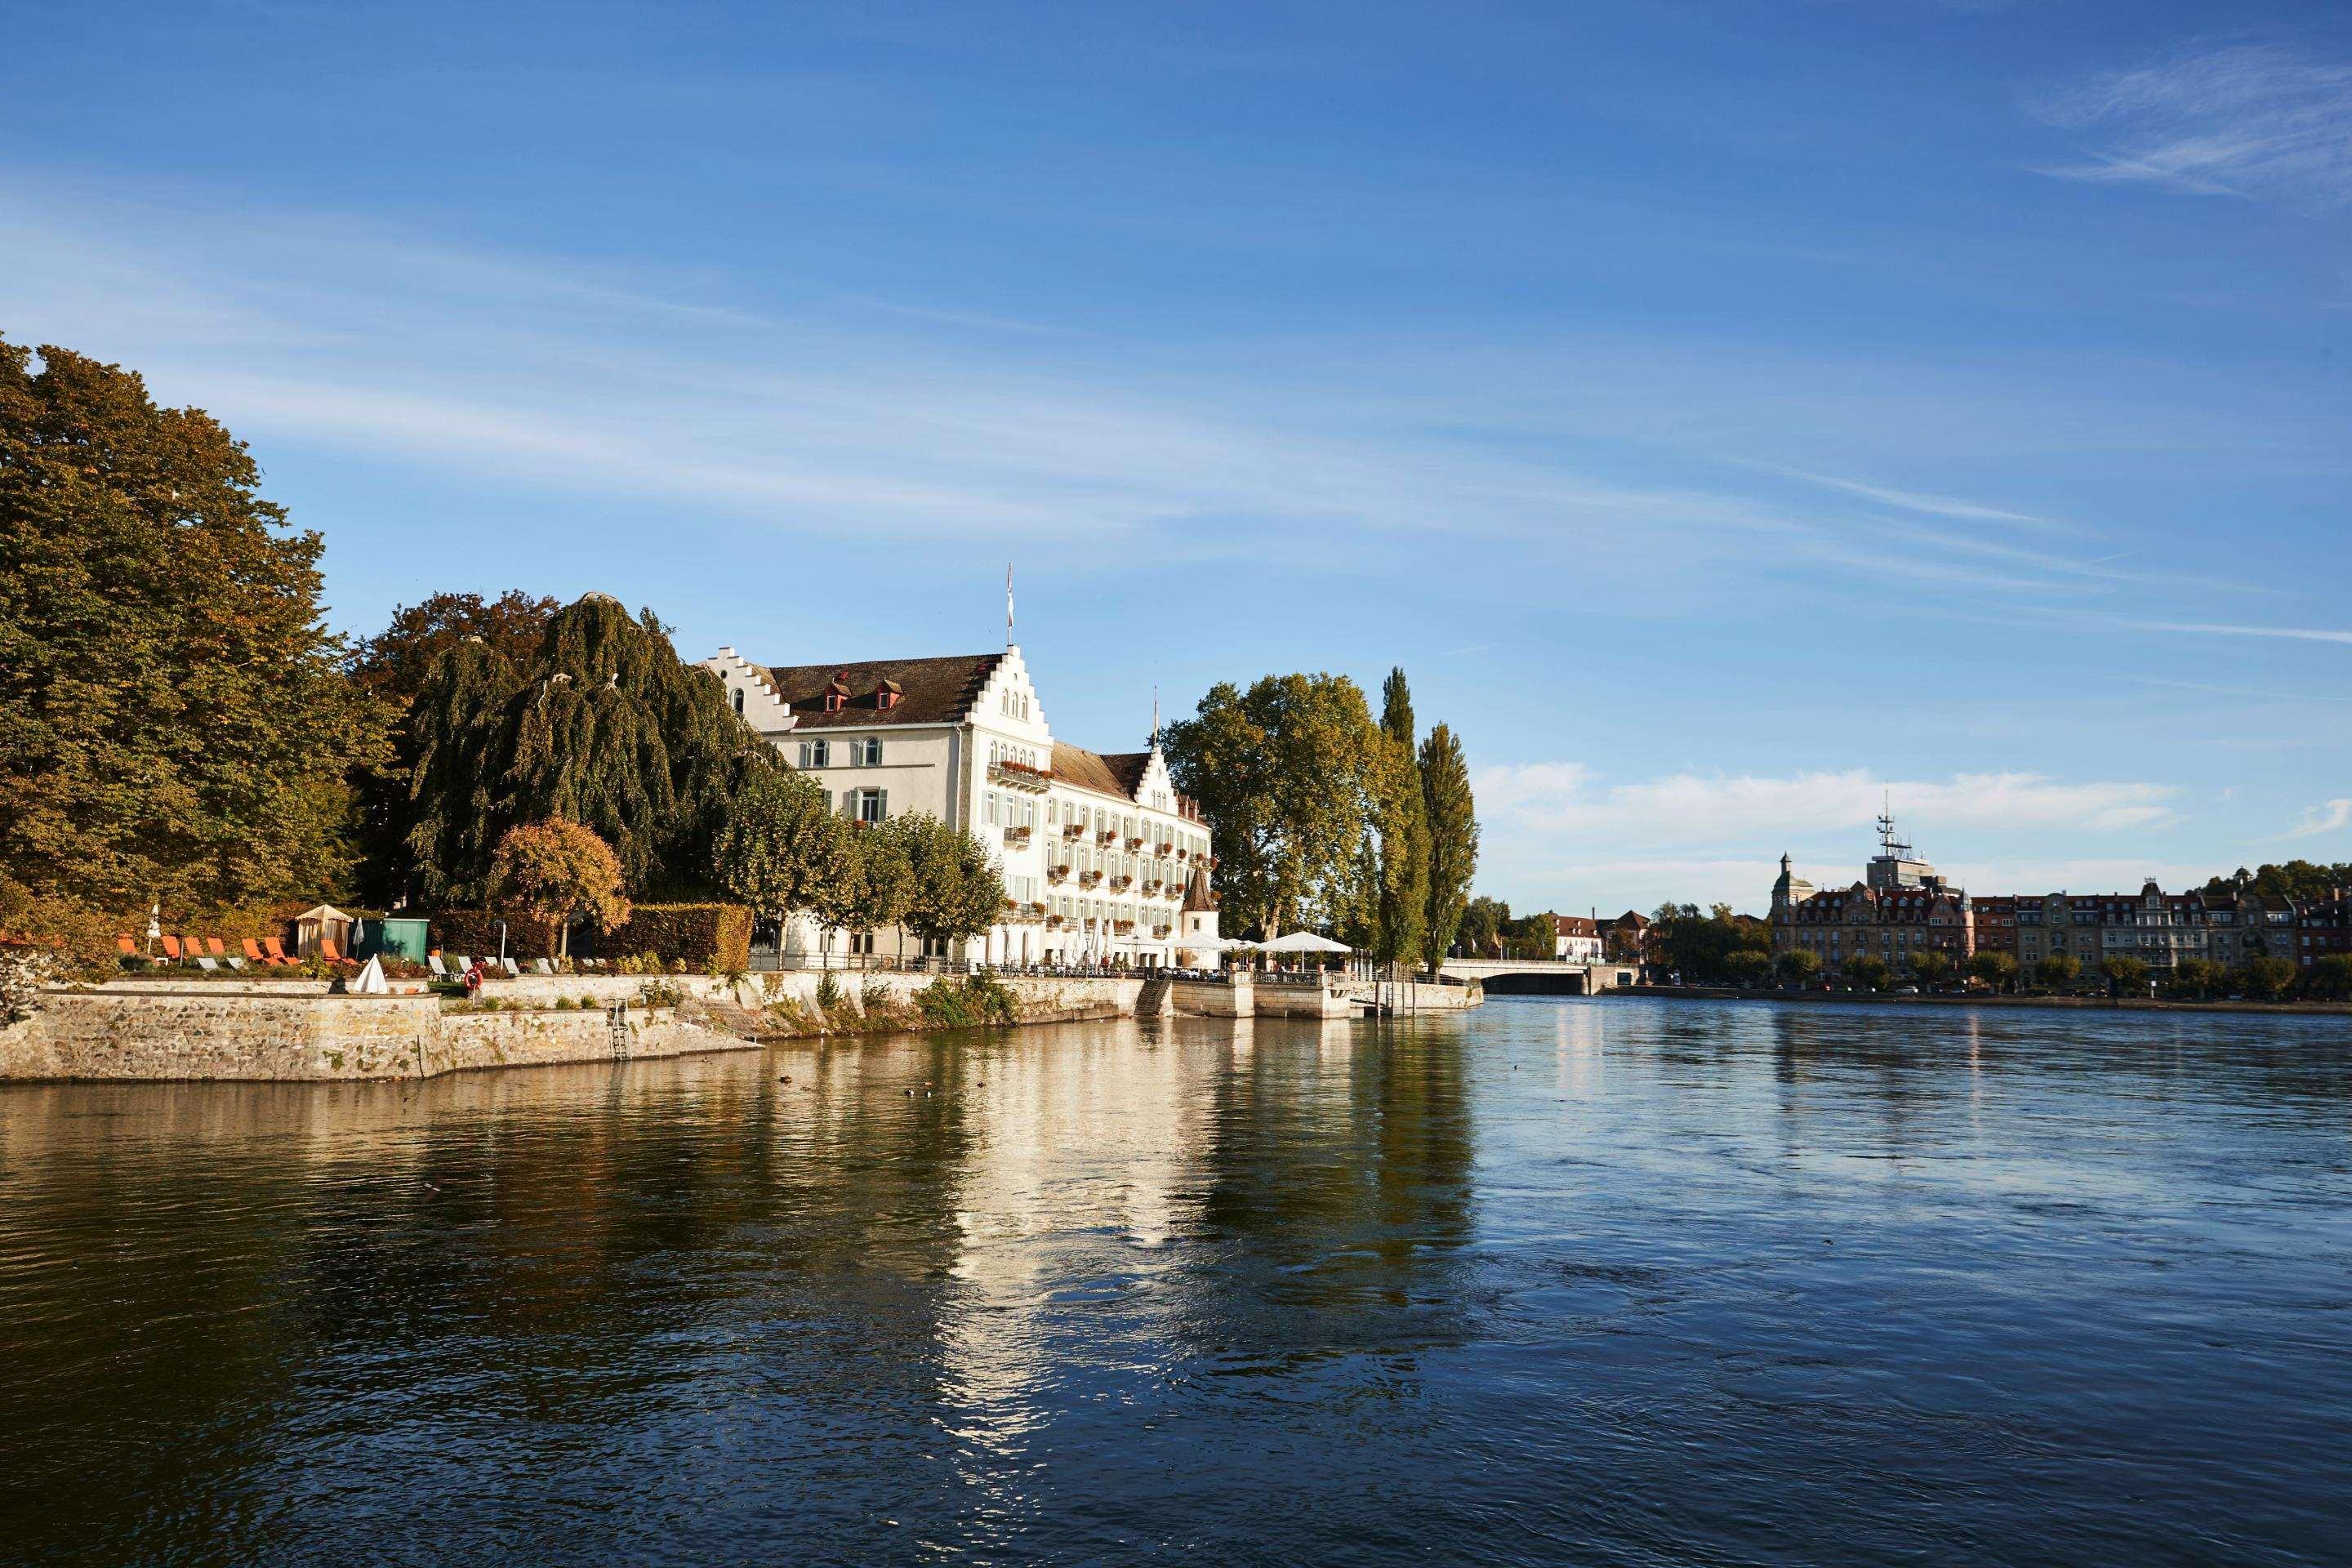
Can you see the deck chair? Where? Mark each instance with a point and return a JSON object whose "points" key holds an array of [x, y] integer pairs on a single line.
{"points": [[459, 964], [252, 953], [274, 950], [209, 963], [126, 947], [232, 960], [190, 948], [328, 950], [213, 945], [540, 966], [170, 947], [440, 969], [514, 970]]}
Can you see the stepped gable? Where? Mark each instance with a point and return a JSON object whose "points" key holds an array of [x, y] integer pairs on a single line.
{"points": [[938, 690], [1120, 774]]}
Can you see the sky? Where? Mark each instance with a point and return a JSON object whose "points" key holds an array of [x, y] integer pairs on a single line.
{"points": [[1731, 417]]}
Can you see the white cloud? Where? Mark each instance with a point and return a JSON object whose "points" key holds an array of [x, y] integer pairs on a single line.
{"points": [[1719, 808], [2257, 122], [2293, 634], [2331, 817]]}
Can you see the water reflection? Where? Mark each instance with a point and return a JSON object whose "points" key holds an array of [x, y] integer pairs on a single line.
{"points": [[1614, 1280]]}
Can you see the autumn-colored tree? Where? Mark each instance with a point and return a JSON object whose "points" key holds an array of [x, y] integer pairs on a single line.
{"points": [[173, 724], [556, 871]]}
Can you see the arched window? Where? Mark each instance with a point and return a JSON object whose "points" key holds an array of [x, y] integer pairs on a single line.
{"points": [[739, 701]]}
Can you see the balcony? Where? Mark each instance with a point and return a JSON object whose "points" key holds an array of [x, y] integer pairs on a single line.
{"points": [[1090, 878], [1056, 922], [1165, 849], [1161, 931], [1121, 884], [1016, 838], [1136, 842], [1020, 776], [1107, 838], [1074, 830], [1124, 928], [1151, 889], [1057, 873]]}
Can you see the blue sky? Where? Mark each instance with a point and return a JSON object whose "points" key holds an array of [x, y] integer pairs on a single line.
{"points": [[1730, 414]]}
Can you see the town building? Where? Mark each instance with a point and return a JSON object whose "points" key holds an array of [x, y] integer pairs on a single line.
{"points": [[2322, 928], [1576, 938], [1626, 939], [1995, 919], [1901, 908], [1098, 850]]}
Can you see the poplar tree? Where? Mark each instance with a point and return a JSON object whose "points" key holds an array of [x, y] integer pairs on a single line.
{"points": [[1452, 819], [1401, 824], [173, 723]]}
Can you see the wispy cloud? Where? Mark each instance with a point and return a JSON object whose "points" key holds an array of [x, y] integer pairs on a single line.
{"points": [[2212, 628], [2251, 121], [1913, 500], [2333, 817]]}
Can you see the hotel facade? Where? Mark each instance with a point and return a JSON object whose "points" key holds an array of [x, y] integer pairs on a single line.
{"points": [[1103, 861]]}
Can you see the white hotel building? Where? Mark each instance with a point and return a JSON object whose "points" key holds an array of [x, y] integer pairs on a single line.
{"points": [[1102, 859]]}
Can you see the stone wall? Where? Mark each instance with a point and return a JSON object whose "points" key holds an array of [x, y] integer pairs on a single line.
{"points": [[206, 1033]]}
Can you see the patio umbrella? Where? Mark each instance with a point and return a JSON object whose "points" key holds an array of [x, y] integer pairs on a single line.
{"points": [[1304, 941]]}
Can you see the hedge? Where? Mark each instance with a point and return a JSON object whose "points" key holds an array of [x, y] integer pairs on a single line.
{"points": [[476, 931], [694, 933], [699, 933]]}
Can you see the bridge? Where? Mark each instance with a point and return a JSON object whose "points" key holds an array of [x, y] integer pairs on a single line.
{"points": [[1543, 976]]}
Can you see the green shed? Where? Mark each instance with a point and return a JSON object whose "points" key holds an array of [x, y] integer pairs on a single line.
{"points": [[393, 939]]}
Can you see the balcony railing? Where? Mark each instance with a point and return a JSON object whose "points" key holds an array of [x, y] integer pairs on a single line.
{"points": [[1090, 879], [1057, 873], [1016, 836], [1074, 830], [1021, 775], [1121, 884], [1165, 849], [1135, 842], [1151, 889], [1124, 928], [1161, 930], [1107, 838]]}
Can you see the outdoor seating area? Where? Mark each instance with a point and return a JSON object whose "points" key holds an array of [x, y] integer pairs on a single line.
{"points": [[213, 954]]}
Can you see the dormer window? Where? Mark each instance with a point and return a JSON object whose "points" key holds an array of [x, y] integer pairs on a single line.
{"points": [[836, 692], [887, 695]]}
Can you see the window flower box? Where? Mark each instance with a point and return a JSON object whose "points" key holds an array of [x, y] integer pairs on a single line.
{"points": [[1120, 884]]}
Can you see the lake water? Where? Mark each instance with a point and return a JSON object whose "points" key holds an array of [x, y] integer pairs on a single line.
{"points": [[1561, 1281]]}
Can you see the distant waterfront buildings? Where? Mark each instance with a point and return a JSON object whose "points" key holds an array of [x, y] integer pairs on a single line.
{"points": [[1101, 857], [1903, 907]]}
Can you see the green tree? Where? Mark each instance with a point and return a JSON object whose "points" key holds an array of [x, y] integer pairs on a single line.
{"points": [[1451, 817], [1534, 936], [955, 893], [1287, 774], [1868, 971], [2057, 971], [1799, 964], [2267, 979], [2195, 977], [782, 850], [1400, 824], [554, 871], [173, 723], [1481, 927], [604, 726], [1996, 969], [2330, 979], [885, 876], [1698, 947], [2306, 881], [392, 667], [1748, 965], [1931, 965], [2125, 974]]}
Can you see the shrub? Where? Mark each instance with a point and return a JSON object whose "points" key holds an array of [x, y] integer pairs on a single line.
{"points": [[829, 996], [977, 1000], [656, 994], [565, 1005], [476, 931]]}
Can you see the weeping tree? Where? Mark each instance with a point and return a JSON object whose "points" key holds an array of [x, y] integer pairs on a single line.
{"points": [[601, 725]]}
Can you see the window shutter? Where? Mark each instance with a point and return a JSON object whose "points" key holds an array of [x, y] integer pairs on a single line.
{"points": [[881, 805]]}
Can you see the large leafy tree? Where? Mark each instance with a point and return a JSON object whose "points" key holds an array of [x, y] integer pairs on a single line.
{"points": [[554, 871], [1482, 925], [954, 891], [173, 720], [2307, 881], [1287, 774], [603, 725], [1451, 818], [1401, 903], [782, 850]]}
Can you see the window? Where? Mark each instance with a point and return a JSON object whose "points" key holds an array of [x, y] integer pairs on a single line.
{"points": [[866, 753], [816, 754], [739, 701], [988, 810], [866, 805]]}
